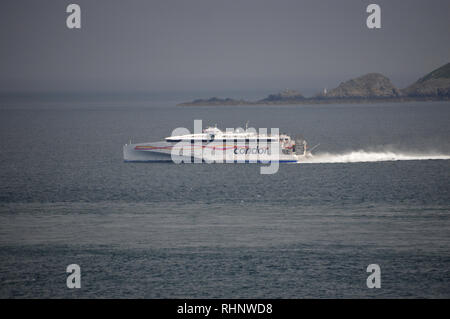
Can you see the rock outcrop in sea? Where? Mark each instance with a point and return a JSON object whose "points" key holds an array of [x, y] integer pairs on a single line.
{"points": [[283, 97], [215, 101]]}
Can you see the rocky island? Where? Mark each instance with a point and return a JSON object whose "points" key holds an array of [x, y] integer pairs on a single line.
{"points": [[371, 87]]}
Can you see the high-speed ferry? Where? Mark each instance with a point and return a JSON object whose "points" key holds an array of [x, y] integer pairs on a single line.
{"points": [[213, 145]]}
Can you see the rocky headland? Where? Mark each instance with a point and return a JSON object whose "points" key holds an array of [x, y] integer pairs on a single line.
{"points": [[371, 87]]}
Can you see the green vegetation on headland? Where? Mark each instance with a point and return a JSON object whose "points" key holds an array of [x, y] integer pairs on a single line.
{"points": [[369, 88]]}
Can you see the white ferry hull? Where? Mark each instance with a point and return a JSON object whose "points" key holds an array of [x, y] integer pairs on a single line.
{"points": [[162, 152]]}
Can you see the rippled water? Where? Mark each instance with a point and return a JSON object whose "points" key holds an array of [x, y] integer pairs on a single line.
{"points": [[376, 192]]}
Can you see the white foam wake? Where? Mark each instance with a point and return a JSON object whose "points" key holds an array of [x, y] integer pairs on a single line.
{"points": [[368, 156]]}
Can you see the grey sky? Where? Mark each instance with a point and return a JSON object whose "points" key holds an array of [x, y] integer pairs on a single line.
{"points": [[210, 44]]}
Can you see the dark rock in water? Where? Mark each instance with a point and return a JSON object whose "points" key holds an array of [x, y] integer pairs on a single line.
{"points": [[284, 96], [434, 84], [371, 85]]}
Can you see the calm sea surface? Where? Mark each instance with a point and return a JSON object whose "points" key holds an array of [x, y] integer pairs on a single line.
{"points": [[223, 231]]}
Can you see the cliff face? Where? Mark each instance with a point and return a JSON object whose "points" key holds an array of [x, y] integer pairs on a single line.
{"points": [[372, 85], [434, 84]]}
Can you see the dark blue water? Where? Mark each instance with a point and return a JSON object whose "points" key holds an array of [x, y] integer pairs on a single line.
{"points": [[221, 231]]}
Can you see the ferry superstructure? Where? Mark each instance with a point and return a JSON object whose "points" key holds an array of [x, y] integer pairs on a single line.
{"points": [[213, 145]]}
